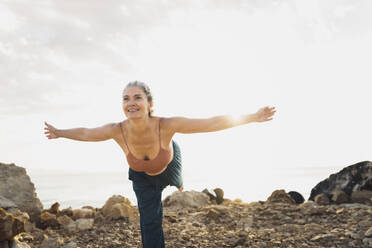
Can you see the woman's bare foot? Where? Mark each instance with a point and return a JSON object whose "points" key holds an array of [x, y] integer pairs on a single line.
{"points": [[180, 189]]}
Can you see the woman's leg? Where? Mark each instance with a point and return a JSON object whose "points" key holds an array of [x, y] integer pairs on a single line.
{"points": [[151, 214], [173, 174]]}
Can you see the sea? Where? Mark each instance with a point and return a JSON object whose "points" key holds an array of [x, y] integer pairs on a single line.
{"points": [[77, 189]]}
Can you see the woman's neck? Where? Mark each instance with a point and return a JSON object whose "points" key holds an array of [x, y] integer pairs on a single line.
{"points": [[139, 125]]}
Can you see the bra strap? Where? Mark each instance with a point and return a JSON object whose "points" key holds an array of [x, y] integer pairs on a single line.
{"points": [[122, 133], [159, 135]]}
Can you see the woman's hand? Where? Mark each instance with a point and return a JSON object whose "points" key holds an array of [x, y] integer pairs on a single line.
{"points": [[50, 131], [265, 114]]}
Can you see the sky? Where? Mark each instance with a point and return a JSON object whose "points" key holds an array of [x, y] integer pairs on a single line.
{"points": [[67, 62]]}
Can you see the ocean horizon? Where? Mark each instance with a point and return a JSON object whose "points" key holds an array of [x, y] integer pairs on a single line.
{"points": [[79, 188]]}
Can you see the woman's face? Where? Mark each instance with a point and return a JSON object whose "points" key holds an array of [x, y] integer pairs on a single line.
{"points": [[135, 104]]}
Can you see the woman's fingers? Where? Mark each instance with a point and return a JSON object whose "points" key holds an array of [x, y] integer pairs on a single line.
{"points": [[49, 131], [266, 113]]}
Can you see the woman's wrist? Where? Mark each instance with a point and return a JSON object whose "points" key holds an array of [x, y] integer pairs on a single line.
{"points": [[251, 118], [58, 133]]}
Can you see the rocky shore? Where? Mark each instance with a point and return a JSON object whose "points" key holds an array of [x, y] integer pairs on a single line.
{"points": [[201, 219]]}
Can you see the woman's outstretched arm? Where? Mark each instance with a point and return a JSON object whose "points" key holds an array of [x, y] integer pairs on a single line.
{"points": [[217, 123], [83, 134]]}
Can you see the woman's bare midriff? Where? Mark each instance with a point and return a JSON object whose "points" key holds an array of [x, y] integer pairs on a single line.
{"points": [[154, 174]]}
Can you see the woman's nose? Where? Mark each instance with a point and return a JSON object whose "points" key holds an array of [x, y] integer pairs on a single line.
{"points": [[130, 102]]}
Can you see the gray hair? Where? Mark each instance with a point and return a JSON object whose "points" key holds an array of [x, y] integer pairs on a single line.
{"points": [[146, 90]]}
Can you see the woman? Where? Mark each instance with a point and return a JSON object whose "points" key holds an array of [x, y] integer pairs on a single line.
{"points": [[153, 157]]}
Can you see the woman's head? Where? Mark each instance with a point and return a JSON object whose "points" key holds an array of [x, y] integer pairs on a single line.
{"points": [[137, 93]]}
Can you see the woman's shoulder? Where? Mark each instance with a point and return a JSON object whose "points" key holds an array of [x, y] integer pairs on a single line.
{"points": [[117, 127], [164, 120]]}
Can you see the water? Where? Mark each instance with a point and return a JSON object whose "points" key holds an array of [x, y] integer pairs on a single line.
{"points": [[77, 189]]}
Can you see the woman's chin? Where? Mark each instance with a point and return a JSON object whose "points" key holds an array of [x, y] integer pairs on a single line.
{"points": [[134, 116]]}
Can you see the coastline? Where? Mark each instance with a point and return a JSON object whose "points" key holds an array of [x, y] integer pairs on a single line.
{"points": [[81, 188]]}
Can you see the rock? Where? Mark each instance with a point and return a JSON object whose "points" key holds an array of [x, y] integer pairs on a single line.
{"points": [[368, 233], [16, 186], [52, 242], [9, 226], [297, 197], [18, 244], [48, 220], [213, 214], [365, 223], [306, 205], [186, 199], [54, 209], [82, 213], [280, 196], [367, 241], [68, 211], [219, 195], [313, 228], [362, 196], [64, 220], [89, 207], [119, 211], [24, 237], [339, 196], [29, 227], [71, 244], [71, 227], [209, 194], [67, 223], [4, 244], [119, 207], [19, 214], [84, 224], [6, 203], [322, 199], [322, 237], [352, 178]]}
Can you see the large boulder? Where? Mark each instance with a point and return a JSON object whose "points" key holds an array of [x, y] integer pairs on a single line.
{"points": [[186, 199], [6, 203], [16, 187], [117, 207], [353, 178]]}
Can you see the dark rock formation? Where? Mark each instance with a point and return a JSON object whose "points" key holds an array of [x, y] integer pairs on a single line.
{"points": [[355, 177], [16, 186], [296, 196]]}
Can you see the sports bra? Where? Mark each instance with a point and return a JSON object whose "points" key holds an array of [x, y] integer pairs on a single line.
{"points": [[152, 166]]}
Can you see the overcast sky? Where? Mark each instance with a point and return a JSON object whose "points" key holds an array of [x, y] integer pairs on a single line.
{"points": [[67, 62]]}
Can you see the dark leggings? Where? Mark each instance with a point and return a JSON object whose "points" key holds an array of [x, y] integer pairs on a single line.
{"points": [[148, 191]]}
